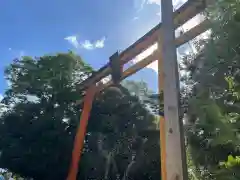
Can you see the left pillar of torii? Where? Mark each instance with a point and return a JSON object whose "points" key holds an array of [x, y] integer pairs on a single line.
{"points": [[116, 72]]}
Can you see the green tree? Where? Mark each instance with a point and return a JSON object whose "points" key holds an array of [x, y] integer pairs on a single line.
{"points": [[118, 122], [38, 128], [151, 149], [213, 102]]}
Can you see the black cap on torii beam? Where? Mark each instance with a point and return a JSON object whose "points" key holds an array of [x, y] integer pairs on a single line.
{"points": [[116, 68]]}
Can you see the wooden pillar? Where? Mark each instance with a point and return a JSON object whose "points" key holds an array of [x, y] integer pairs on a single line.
{"points": [[162, 120], [80, 134], [175, 158]]}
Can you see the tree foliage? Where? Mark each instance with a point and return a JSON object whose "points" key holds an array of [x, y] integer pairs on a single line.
{"points": [[213, 106], [38, 128]]}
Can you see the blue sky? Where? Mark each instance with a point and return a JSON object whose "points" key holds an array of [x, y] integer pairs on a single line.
{"points": [[93, 29]]}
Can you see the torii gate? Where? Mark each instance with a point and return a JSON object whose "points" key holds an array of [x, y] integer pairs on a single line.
{"points": [[173, 158]]}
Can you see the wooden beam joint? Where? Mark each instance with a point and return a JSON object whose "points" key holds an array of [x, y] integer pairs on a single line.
{"points": [[116, 68]]}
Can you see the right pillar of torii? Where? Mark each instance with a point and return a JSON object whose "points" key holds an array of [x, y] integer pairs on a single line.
{"points": [[173, 154]]}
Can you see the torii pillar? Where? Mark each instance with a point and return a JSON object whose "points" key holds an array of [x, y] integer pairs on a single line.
{"points": [[174, 166]]}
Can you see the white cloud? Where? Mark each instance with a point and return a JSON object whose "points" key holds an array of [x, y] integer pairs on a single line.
{"points": [[86, 44], [1, 97], [100, 43], [72, 40], [93, 45]]}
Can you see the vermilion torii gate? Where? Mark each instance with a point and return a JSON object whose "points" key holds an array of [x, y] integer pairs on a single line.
{"points": [[173, 160]]}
